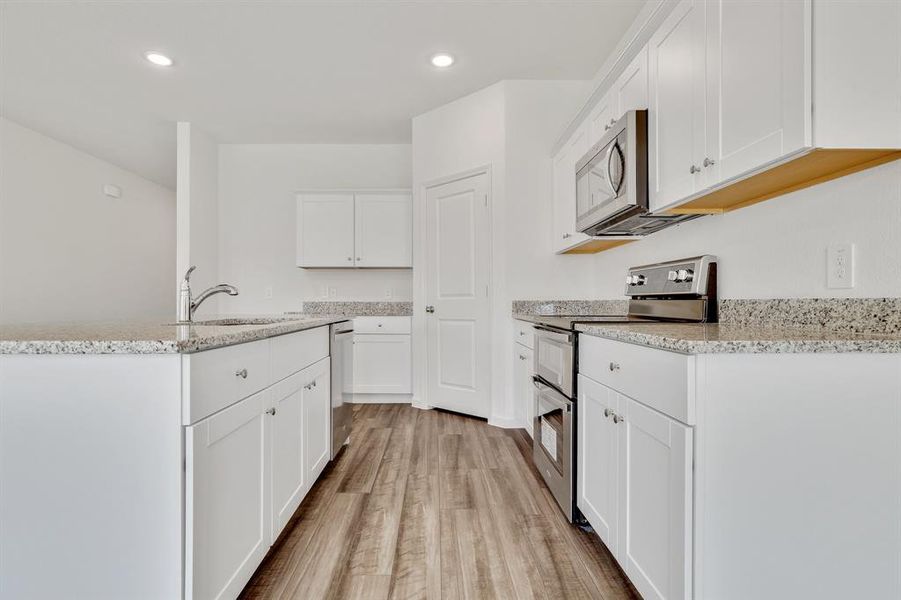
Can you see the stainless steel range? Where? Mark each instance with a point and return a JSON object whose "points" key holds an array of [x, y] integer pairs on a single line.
{"points": [[681, 290]]}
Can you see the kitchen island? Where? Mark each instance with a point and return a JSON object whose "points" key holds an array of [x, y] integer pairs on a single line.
{"points": [[148, 460]]}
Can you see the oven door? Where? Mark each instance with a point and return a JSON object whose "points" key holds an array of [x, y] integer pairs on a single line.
{"points": [[554, 358], [552, 443]]}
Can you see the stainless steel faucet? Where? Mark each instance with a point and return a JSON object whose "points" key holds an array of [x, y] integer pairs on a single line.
{"points": [[186, 302]]}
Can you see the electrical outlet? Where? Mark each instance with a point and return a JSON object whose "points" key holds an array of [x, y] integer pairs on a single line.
{"points": [[267, 293], [333, 292], [388, 293], [840, 266]]}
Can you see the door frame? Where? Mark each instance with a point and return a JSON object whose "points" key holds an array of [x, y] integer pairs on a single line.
{"points": [[419, 331]]}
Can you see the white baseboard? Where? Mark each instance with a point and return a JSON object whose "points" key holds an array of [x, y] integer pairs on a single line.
{"points": [[382, 399], [420, 405], [505, 423]]}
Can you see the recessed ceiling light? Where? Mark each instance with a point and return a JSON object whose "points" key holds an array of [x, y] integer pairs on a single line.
{"points": [[442, 60], [161, 60]]}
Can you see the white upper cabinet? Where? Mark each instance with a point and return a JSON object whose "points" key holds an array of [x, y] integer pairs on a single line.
{"points": [[677, 111], [630, 91], [383, 230], [355, 229], [601, 119], [757, 87], [325, 230], [564, 235]]}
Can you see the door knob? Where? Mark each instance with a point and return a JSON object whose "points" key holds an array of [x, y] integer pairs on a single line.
{"points": [[430, 309]]}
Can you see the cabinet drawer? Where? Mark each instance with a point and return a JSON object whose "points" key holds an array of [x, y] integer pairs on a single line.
{"points": [[656, 378], [296, 351], [218, 378], [524, 333], [382, 325]]}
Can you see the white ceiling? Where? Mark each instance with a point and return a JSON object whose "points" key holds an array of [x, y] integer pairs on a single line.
{"points": [[276, 72]]}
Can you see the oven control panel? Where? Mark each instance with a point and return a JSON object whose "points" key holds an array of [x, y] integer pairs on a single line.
{"points": [[686, 277]]}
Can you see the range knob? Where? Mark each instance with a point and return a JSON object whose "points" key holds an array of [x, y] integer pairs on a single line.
{"points": [[628, 280], [672, 276], [685, 275], [638, 279]]}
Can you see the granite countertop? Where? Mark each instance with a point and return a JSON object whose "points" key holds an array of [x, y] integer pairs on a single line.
{"points": [[149, 336], [719, 338]]}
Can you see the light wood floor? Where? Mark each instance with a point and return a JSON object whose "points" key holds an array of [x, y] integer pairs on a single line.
{"points": [[430, 504]]}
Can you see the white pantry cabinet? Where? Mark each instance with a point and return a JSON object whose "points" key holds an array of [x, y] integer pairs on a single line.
{"points": [[355, 229]]}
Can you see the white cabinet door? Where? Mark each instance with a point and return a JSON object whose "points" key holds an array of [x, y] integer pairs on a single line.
{"points": [[758, 84], [564, 213], [325, 230], [600, 119], [655, 502], [524, 399], [227, 528], [630, 91], [676, 111], [317, 415], [286, 450], [382, 364], [597, 477], [384, 230]]}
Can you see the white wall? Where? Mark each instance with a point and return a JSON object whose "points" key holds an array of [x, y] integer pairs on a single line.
{"points": [[508, 127], [198, 212], [777, 249], [67, 251], [257, 243]]}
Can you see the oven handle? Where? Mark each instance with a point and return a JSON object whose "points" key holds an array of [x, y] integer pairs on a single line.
{"points": [[551, 394], [547, 332]]}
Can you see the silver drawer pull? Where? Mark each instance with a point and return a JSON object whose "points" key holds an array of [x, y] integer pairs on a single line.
{"points": [[271, 411], [522, 357], [614, 366], [242, 373], [618, 418], [607, 412], [521, 333]]}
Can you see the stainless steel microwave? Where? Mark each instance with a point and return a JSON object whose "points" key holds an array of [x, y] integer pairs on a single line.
{"points": [[612, 183]]}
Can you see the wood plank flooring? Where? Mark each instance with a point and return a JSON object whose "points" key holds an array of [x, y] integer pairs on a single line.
{"points": [[430, 504]]}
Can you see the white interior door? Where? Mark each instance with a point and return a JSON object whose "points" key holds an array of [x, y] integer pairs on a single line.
{"points": [[456, 275]]}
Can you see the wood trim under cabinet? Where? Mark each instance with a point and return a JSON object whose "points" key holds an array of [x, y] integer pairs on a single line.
{"points": [[811, 168]]}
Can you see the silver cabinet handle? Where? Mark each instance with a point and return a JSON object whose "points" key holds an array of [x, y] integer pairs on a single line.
{"points": [[567, 235], [614, 366], [708, 162], [694, 170], [607, 412], [350, 258], [522, 333], [430, 309], [271, 411], [617, 418], [358, 258], [380, 324], [612, 122], [314, 383], [522, 357], [242, 373]]}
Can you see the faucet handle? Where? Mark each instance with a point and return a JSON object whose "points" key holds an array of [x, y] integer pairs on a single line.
{"points": [[188, 273]]}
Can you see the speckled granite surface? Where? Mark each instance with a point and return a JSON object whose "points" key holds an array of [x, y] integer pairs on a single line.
{"points": [[148, 337], [358, 309], [851, 315], [697, 338], [570, 307]]}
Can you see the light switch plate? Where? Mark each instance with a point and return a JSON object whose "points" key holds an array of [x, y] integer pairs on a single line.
{"points": [[840, 266]]}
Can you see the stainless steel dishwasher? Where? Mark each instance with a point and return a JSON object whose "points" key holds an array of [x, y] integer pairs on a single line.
{"points": [[341, 349]]}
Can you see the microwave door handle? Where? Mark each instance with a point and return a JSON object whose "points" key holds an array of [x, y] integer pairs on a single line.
{"points": [[614, 189]]}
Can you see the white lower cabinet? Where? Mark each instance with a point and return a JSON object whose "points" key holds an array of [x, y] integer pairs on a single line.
{"points": [[523, 390], [227, 528], [383, 359], [598, 459], [317, 405], [249, 466], [655, 500], [635, 480]]}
